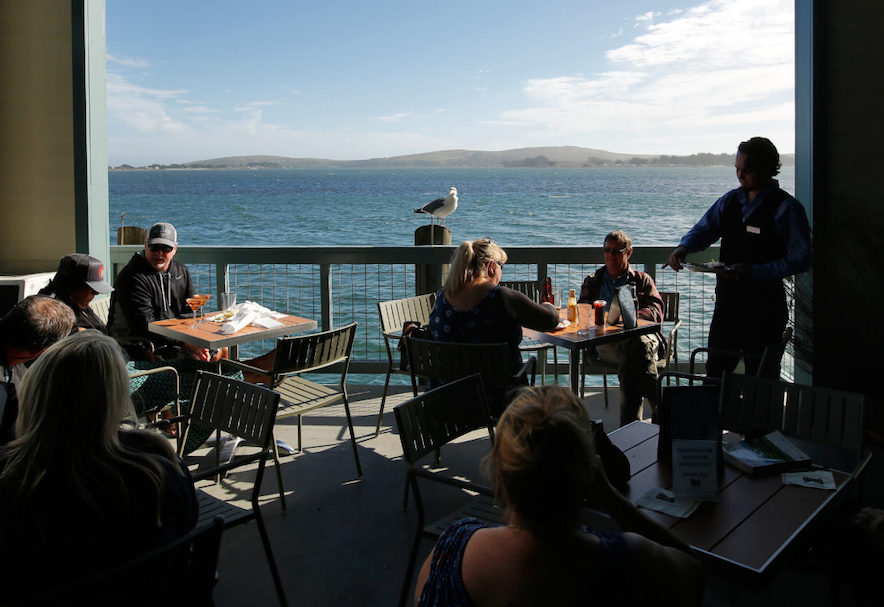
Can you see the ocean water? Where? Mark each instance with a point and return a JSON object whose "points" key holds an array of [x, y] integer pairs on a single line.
{"points": [[516, 206]]}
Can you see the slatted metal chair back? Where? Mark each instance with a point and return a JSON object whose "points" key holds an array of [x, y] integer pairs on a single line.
{"points": [[101, 307], [531, 288], [436, 417], [671, 300], [393, 314], [305, 353], [756, 405], [238, 408], [448, 361]]}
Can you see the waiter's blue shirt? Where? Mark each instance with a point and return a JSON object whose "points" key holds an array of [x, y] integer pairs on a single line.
{"points": [[790, 223]]}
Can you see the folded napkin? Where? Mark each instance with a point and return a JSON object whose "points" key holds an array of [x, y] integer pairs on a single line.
{"points": [[241, 319], [249, 312]]}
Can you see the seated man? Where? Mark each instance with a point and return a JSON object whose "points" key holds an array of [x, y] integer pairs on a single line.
{"points": [[636, 356], [153, 286], [31, 326]]}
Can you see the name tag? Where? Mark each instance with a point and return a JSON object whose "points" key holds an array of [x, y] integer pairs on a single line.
{"points": [[753, 230]]}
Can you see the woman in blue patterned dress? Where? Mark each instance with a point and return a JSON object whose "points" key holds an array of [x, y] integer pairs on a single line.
{"points": [[544, 469], [473, 308]]}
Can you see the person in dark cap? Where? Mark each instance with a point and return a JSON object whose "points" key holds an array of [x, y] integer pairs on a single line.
{"points": [[78, 279], [765, 238], [153, 286]]}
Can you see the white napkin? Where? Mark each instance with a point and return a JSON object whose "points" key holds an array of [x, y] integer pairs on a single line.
{"points": [[242, 318], [249, 312]]}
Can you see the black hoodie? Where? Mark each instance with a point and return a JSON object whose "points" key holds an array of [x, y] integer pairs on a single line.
{"points": [[142, 295]]}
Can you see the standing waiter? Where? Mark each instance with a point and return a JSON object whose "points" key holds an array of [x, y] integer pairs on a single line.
{"points": [[765, 237]]}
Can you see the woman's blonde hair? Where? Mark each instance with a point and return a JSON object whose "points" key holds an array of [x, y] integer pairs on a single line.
{"points": [[543, 460], [470, 261], [72, 402]]}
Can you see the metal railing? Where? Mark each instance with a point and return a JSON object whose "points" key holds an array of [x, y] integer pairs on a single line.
{"points": [[339, 285]]}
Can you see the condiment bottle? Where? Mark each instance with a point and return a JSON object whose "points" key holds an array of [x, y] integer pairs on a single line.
{"points": [[547, 295], [572, 306]]}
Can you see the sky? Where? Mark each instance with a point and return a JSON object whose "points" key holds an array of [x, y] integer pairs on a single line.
{"points": [[348, 80]]}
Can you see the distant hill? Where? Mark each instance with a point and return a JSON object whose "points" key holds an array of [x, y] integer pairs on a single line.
{"points": [[561, 156]]}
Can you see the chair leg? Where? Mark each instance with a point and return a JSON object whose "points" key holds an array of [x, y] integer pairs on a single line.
{"points": [[583, 374], [268, 552], [412, 558], [278, 472], [352, 437], [300, 448], [605, 384], [377, 430], [556, 364]]}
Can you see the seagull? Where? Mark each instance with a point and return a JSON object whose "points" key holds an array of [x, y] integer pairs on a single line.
{"points": [[441, 207]]}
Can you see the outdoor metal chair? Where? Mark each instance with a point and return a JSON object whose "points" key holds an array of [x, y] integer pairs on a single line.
{"points": [[428, 422], [191, 561], [754, 406], [671, 300], [306, 354], [768, 364], [247, 412], [393, 315], [532, 289], [446, 361]]}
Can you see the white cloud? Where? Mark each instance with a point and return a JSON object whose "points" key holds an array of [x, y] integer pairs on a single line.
{"points": [[395, 117], [128, 61], [710, 71]]}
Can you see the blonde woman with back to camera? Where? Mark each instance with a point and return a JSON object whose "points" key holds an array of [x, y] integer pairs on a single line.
{"points": [[544, 469], [80, 492], [472, 307]]}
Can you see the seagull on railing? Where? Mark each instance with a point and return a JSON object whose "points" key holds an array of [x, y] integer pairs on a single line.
{"points": [[441, 207]]}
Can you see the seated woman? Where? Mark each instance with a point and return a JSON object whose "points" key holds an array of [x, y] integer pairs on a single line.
{"points": [[544, 468], [78, 279], [80, 492], [473, 308]]}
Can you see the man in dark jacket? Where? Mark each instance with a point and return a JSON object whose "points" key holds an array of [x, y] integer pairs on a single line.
{"points": [[31, 326], [153, 286], [636, 357]]}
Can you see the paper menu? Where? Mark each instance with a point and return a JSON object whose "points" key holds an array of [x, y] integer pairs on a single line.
{"points": [[695, 469]]}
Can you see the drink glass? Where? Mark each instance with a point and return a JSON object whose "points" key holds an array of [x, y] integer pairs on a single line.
{"points": [[228, 300], [583, 314], [203, 297], [195, 303]]}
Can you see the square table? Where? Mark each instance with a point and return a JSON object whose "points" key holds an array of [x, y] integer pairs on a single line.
{"points": [[756, 522], [208, 334], [576, 343]]}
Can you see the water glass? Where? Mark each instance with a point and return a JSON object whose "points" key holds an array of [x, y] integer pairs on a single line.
{"points": [[228, 300]]}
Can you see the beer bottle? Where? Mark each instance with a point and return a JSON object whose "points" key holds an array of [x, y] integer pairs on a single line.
{"points": [[547, 295], [572, 306]]}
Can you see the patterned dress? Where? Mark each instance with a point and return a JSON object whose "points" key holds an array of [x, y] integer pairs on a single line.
{"points": [[445, 588], [487, 322]]}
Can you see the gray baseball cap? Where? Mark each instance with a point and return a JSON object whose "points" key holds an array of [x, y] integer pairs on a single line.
{"points": [[162, 233]]}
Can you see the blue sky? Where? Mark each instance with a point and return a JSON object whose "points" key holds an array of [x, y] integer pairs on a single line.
{"points": [[348, 80]]}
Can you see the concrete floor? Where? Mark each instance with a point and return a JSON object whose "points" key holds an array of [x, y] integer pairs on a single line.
{"points": [[345, 540]]}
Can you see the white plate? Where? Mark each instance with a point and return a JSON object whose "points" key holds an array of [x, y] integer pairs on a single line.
{"points": [[709, 266]]}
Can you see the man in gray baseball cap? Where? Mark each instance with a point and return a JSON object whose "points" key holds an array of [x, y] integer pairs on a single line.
{"points": [[153, 286]]}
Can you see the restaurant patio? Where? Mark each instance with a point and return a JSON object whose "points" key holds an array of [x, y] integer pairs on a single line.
{"points": [[345, 541]]}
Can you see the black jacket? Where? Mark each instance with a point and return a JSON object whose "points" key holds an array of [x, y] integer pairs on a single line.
{"points": [[142, 295]]}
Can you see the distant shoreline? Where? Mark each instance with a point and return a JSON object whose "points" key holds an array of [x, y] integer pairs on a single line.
{"points": [[538, 157]]}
